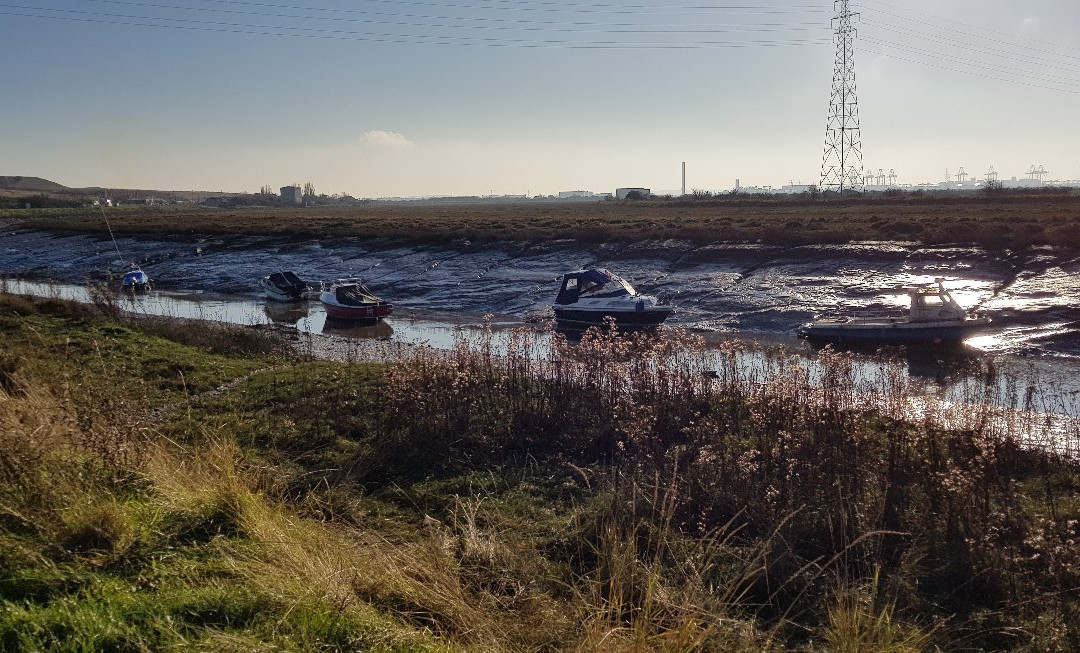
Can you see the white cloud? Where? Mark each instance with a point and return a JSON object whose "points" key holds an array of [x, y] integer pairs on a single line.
{"points": [[387, 141], [1030, 23]]}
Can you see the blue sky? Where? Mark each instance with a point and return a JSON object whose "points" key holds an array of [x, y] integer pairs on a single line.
{"points": [[404, 97]]}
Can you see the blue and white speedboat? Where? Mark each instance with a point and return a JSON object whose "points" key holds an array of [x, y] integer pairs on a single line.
{"points": [[587, 297], [933, 317], [135, 281]]}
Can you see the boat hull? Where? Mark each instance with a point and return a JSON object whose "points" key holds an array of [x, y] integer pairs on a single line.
{"points": [[279, 295], [356, 313], [900, 332], [135, 281], [580, 319], [284, 290]]}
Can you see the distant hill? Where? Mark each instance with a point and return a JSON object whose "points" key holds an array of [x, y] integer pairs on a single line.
{"points": [[24, 188], [31, 184]]}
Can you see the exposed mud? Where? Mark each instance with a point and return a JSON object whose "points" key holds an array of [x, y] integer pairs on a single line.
{"points": [[759, 290]]}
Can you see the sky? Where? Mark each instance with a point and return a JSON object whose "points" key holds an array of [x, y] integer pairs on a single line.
{"points": [[381, 98]]}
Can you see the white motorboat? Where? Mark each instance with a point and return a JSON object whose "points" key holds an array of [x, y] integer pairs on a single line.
{"points": [[933, 317], [349, 299], [283, 286], [587, 297]]}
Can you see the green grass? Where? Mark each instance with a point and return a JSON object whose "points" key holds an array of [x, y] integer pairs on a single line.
{"points": [[163, 548], [606, 498]]}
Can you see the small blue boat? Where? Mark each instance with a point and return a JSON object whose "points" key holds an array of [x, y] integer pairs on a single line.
{"points": [[135, 281], [933, 318]]}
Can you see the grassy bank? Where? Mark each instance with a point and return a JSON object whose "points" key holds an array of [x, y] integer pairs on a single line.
{"points": [[201, 488], [1008, 220]]}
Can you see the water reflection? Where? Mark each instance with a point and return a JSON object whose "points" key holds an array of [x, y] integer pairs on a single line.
{"points": [[308, 317], [1052, 384], [942, 363], [381, 330], [286, 312], [744, 287]]}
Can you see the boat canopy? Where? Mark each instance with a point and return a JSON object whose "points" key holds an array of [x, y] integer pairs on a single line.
{"points": [[354, 294], [592, 276], [594, 283], [134, 277], [285, 279]]}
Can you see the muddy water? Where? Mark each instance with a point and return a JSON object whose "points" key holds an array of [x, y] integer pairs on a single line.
{"points": [[411, 327], [1033, 296], [753, 291]]}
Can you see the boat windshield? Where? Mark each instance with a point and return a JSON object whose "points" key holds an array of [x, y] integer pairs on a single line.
{"points": [[615, 287], [282, 280]]}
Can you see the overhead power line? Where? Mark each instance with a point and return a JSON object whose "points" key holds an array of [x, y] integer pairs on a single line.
{"points": [[978, 38], [931, 64], [973, 51], [972, 62], [906, 15], [975, 64], [978, 47], [559, 7], [387, 17], [923, 39], [189, 24]]}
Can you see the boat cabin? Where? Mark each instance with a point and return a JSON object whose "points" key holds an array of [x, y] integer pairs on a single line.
{"points": [[592, 284], [930, 304], [287, 279]]}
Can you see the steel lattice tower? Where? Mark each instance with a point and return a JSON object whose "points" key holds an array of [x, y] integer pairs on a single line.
{"points": [[841, 165]]}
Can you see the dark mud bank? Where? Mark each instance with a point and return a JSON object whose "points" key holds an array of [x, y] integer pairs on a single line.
{"points": [[1033, 295]]}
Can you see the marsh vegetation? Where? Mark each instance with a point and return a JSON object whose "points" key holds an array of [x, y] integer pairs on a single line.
{"points": [[204, 488], [1012, 219]]}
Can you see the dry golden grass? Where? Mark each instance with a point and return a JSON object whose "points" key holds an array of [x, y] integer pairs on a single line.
{"points": [[862, 621], [1009, 220], [298, 560]]}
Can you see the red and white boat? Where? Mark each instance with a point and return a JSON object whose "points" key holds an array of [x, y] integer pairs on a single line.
{"points": [[351, 300]]}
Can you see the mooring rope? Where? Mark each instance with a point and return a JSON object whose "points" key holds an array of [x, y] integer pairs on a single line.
{"points": [[109, 227]]}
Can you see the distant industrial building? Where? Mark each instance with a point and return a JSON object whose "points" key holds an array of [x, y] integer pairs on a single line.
{"points": [[578, 195], [292, 195], [216, 201], [641, 193]]}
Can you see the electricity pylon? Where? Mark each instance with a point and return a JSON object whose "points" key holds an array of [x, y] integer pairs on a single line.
{"points": [[841, 165]]}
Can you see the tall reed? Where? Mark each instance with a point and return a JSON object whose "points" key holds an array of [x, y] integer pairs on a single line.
{"points": [[848, 474]]}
